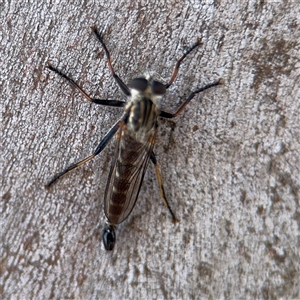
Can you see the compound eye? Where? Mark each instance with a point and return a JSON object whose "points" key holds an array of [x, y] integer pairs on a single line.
{"points": [[158, 88], [139, 84]]}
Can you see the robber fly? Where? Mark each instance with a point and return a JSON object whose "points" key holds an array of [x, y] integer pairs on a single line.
{"points": [[135, 135]]}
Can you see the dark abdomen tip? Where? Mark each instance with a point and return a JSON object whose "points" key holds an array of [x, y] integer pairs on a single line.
{"points": [[109, 237]]}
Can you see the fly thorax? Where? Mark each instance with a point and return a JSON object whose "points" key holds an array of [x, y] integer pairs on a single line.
{"points": [[142, 118]]}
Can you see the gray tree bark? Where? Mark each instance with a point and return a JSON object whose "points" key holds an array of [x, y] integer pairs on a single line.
{"points": [[230, 161]]}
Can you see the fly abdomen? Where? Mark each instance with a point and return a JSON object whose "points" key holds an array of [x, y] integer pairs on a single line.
{"points": [[120, 186]]}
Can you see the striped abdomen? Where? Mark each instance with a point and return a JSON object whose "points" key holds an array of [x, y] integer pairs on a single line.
{"points": [[135, 143]]}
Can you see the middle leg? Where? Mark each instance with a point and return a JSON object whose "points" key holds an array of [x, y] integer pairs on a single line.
{"points": [[167, 115], [114, 103]]}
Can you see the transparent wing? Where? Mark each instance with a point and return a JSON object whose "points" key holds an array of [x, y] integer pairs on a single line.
{"points": [[126, 175]]}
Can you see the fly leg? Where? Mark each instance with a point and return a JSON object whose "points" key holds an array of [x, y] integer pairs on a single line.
{"points": [[179, 61], [114, 103], [97, 151], [167, 115], [160, 184], [119, 81]]}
